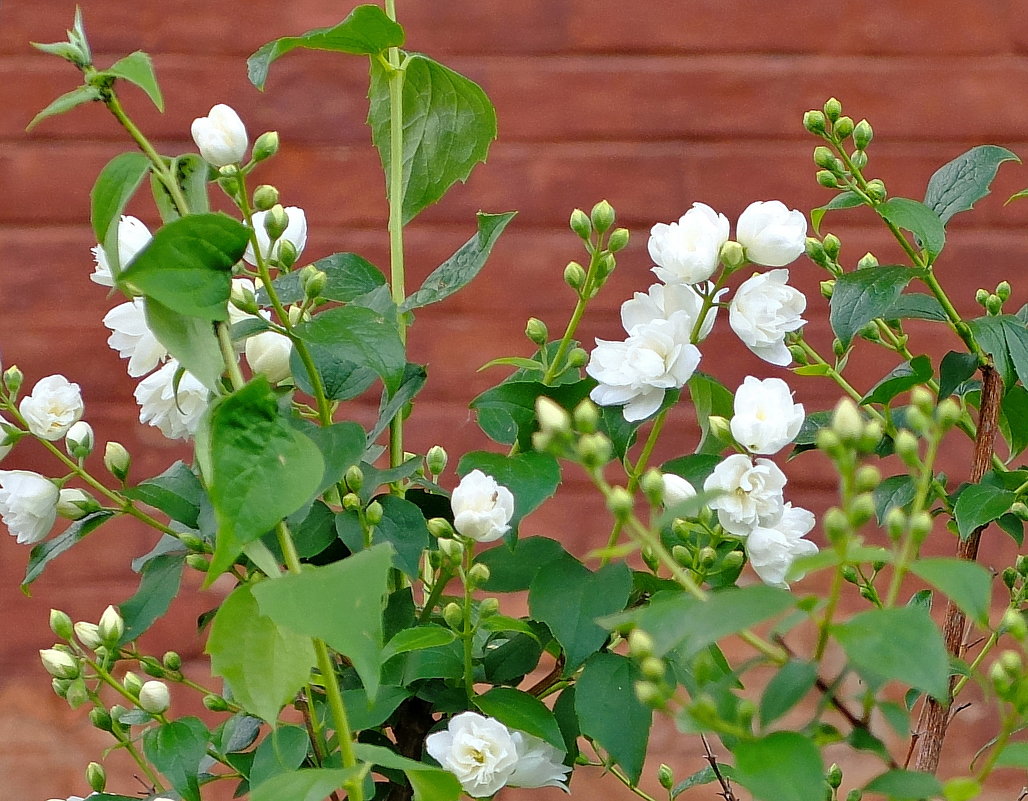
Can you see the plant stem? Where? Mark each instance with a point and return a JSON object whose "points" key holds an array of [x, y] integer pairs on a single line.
{"points": [[468, 633]]}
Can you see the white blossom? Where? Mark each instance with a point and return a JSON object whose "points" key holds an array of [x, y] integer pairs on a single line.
{"points": [[479, 751], [765, 308], [662, 301], [268, 353], [177, 416], [154, 697], [657, 356], [539, 764], [750, 493], [772, 550], [765, 419], [676, 490], [132, 337], [28, 504], [687, 251], [220, 136], [482, 509], [4, 448], [52, 408], [133, 236], [296, 233], [772, 235]]}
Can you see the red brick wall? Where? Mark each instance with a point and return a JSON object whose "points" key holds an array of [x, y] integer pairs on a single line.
{"points": [[651, 105]]}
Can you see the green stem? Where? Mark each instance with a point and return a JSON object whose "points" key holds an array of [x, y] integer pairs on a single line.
{"points": [[438, 587], [228, 355], [468, 633], [585, 294]]}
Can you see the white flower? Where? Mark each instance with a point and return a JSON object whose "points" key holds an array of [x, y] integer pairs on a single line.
{"points": [[133, 236], [765, 419], [28, 504], [482, 509], [539, 764], [479, 751], [687, 252], [656, 356], [132, 337], [676, 490], [772, 551], [751, 493], [176, 416], [662, 301], [765, 308], [154, 697], [52, 408], [296, 233], [268, 353], [220, 136], [772, 234]]}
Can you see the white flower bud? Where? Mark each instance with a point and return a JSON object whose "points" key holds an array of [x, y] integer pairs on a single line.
{"points": [[154, 697], [59, 664], [89, 635], [79, 440], [74, 504], [111, 626], [220, 136], [117, 460], [268, 354]]}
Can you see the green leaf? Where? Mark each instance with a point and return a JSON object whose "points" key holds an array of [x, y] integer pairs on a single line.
{"points": [[341, 379], [348, 276], [531, 477], [519, 710], [621, 432], [512, 569], [416, 639], [967, 584], [694, 468], [48, 550], [282, 751], [190, 173], [114, 187], [66, 102], [414, 378], [787, 687], [1014, 419], [341, 446], [176, 750], [980, 504], [908, 375], [458, 270], [807, 436], [309, 784], [609, 712], [1013, 755], [360, 336], [846, 200], [879, 643], [449, 124], [177, 492], [187, 264], [861, 296], [366, 715], [895, 491], [569, 598], [918, 306], [515, 361], [506, 413], [365, 31], [262, 470], [137, 68], [1016, 334], [263, 663], [340, 603], [403, 526], [905, 785], [158, 587], [428, 782], [917, 218], [954, 369], [710, 397], [957, 185], [191, 340], [784, 766]]}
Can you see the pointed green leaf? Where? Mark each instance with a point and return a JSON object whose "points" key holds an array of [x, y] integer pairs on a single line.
{"points": [[187, 264], [787, 687], [340, 603], [861, 296], [366, 31], [66, 102], [512, 569], [506, 413], [846, 200], [191, 340], [908, 375], [917, 218], [967, 584], [916, 305], [158, 587], [414, 378], [905, 785], [458, 270], [48, 550], [309, 784], [892, 492], [282, 751], [114, 187], [428, 782], [957, 185], [1014, 419], [403, 526], [517, 709], [784, 766], [954, 369], [348, 276], [710, 397], [176, 750], [265, 664], [980, 504], [449, 124], [137, 68], [416, 639]]}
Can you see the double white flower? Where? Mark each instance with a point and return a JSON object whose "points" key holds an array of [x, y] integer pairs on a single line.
{"points": [[764, 309], [486, 756], [133, 236], [132, 338], [52, 408], [771, 234], [750, 493], [765, 419], [772, 550], [482, 509], [687, 251], [177, 415], [28, 504]]}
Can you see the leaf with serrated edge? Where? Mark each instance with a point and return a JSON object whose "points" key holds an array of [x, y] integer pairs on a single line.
{"points": [[957, 185]]}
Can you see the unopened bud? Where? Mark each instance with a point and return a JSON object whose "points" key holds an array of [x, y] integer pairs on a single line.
{"points": [[313, 279], [13, 379], [154, 697], [264, 197], [132, 683], [993, 305], [923, 399], [152, 667], [373, 514], [215, 703], [833, 109], [867, 261], [488, 607], [905, 445], [59, 664], [580, 224], [578, 357], [1003, 291], [835, 523], [453, 615], [536, 331], [815, 251], [733, 255], [117, 460], [619, 502], [649, 694], [858, 158], [640, 644], [286, 255], [827, 179], [652, 486], [60, 624], [586, 417], [862, 134], [1009, 577], [478, 575], [440, 527], [436, 459], [834, 776], [88, 634], [618, 240], [551, 416], [948, 413], [920, 525], [843, 128], [198, 562], [276, 221], [652, 668], [266, 146], [824, 157], [814, 121], [229, 171], [74, 504], [862, 508], [847, 421], [665, 776], [96, 777], [849, 574], [79, 440], [1014, 624], [827, 289], [720, 428], [594, 449], [895, 522], [707, 556], [111, 627], [574, 275], [172, 661], [1020, 510], [733, 560], [351, 502], [868, 477], [876, 190], [101, 719], [680, 553], [602, 216]]}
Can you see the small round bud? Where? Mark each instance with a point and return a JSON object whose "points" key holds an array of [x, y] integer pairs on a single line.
{"points": [[266, 146], [993, 305], [574, 275], [88, 634], [652, 486], [154, 697], [680, 553], [354, 478], [440, 527], [553, 419], [478, 575], [720, 428], [13, 379], [453, 615], [649, 694], [733, 560], [286, 255], [1003, 291], [276, 221], [351, 502], [111, 627], [867, 478], [96, 777], [828, 441], [640, 644], [838, 348], [117, 460], [916, 420], [665, 776], [74, 504], [373, 514], [832, 245], [652, 668], [849, 574], [872, 436], [905, 445], [215, 703], [602, 216], [921, 525], [101, 719], [923, 399], [855, 794], [59, 664], [1009, 577], [536, 331], [876, 190], [833, 109], [847, 421], [488, 607], [436, 459], [198, 562], [707, 556], [948, 413], [312, 279], [151, 667], [895, 522], [594, 449], [843, 128], [862, 508], [229, 171], [824, 157], [835, 523], [60, 624], [79, 440], [827, 288], [733, 255], [827, 179], [814, 121], [858, 158], [578, 357], [132, 683], [1021, 564], [264, 197], [1011, 664], [618, 240], [172, 661], [834, 776], [580, 224], [862, 134], [619, 502], [798, 354], [1020, 510], [586, 417], [867, 260], [980, 296], [815, 250], [1014, 624]]}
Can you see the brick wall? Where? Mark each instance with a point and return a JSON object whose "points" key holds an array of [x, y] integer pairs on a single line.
{"points": [[651, 105]]}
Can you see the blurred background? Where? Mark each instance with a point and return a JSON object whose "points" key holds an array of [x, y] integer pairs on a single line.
{"points": [[652, 106]]}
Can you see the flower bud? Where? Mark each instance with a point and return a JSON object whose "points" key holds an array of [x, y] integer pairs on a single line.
{"points": [[868, 477], [536, 331], [858, 158], [578, 357], [834, 776], [132, 683], [652, 668], [111, 627], [351, 502], [1009, 577], [436, 459], [229, 172], [551, 416], [905, 445], [265, 147], [665, 776], [720, 428], [586, 417], [876, 190], [847, 421], [13, 379], [652, 486], [827, 179], [828, 441], [680, 553], [923, 399], [581, 224], [640, 644], [450, 547], [76, 694], [832, 245], [862, 509], [215, 703], [619, 502], [948, 413], [453, 615], [895, 522], [59, 664], [151, 667], [649, 694], [602, 216], [74, 504], [154, 697], [373, 514], [618, 240], [60, 624], [862, 134], [574, 275], [79, 440], [814, 121], [827, 289], [313, 279], [478, 575], [707, 556], [733, 560], [594, 450], [835, 523], [264, 197], [354, 478], [60, 687], [843, 128], [286, 255], [867, 261], [833, 109], [440, 527], [1003, 291], [1014, 624], [96, 777], [276, 221], [172, 661], [88, 634], [488, 607], [849, 574], [981, 296], [117, 460], [872, 436], [920, 525], [101, 719], [198, 562], [993, 305], [824, 157], [1020, 510]]}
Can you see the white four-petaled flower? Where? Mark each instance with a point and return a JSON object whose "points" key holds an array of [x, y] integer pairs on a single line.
{"points": [[482, 509], [765, 419], [220, 136]]}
